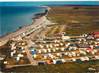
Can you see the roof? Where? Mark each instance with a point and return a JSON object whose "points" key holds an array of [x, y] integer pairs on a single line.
{"points": [[95, 33], [82, 45]]}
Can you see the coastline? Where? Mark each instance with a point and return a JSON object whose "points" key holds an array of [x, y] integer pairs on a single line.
{"points": [[18, 32]]}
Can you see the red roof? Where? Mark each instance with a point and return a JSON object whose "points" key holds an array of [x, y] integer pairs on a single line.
{"points": [[90, 49], [96, 36], [95, 33]]}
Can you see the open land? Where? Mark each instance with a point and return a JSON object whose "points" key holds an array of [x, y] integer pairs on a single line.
{"points": [[78, 19]]}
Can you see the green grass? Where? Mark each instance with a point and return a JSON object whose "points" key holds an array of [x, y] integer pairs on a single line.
{"points": [[84, 15], [59, 68]]}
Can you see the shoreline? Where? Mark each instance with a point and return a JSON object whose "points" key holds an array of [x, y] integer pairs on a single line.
{"points": [[35, 21]]}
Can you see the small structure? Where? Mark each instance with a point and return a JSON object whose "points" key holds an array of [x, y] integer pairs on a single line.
{"points": [[96, 34], [65, 37], [2, 57]]}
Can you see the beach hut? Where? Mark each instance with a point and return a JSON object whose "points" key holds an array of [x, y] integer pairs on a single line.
{"points": [[63, 60], [77, 54], [82, 52], [11, 54], [20, 49], [78, 61], [33, 51], [61, 44], [54, 61], [41, 46], [97, 57], [83, 46], [84, 35], [20, 55], [56, 41], [95, 50], [70, 48], [24, 43], [57, 48], [89, 49], [23, 51], [47, 46], [1, 58], [39, 51], [42, 63], [82, 59], [96, 34], [54, 50], [45, 56], [73, 53], [13, 46], [58, 54], [97, 39], [52, 56], [49, 61], [5, 62], [35, 56], [17, 58], [49, 50], [14, 51], [62, 49], [56, 45], [65, 38], [73, 59], [49, 54], [44, 50], [66, 53], [59, 62], [97, 47], [86, 58], [51, 46], [67, 44], [69, 54], [75, 48]]}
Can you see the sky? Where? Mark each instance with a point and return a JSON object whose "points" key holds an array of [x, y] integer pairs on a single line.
{"points": [[49, 0], [31, 3]]}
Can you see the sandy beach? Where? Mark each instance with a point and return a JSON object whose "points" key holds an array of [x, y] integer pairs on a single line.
{"points": [[38, 23]]}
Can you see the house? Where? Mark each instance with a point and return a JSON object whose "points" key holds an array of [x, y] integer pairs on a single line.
{"points": [[42, 63], [89, 49], [2, 57], [83, 46], [65, 37], [96, 34]]}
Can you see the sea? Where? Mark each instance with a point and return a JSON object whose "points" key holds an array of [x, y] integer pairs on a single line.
{"points": [[17, 14], [13, 17]]}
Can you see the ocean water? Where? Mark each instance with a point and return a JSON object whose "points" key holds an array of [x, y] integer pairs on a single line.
{"points": [[16, 14], [13, 17]]}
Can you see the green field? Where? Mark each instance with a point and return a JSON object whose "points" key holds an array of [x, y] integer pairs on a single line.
{"points": [[59, 68], [79, 19]]}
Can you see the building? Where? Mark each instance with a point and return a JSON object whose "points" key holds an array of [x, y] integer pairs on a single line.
{"points": [[96, 34]]}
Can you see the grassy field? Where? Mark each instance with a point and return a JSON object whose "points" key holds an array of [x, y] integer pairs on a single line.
{"points": [[59, 68], [79, 19]]}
